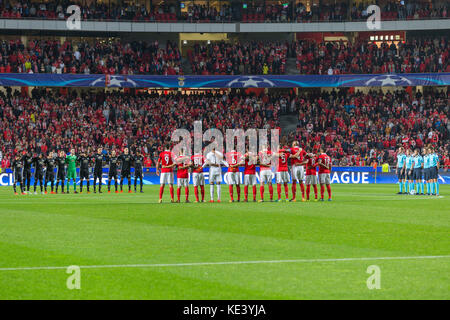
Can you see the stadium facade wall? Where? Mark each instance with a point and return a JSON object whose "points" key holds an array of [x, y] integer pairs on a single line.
{"points": [[340, 175], [237, 27]]}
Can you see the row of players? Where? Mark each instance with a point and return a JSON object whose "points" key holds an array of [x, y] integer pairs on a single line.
{"points": [[167, 161], [415, 171], [64, 167]]}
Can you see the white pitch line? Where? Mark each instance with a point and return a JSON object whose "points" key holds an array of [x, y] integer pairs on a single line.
{"points": [[158, 265]]}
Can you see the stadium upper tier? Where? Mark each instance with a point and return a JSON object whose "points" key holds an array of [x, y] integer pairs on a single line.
{"points": [[223, 58], [222, 16]]}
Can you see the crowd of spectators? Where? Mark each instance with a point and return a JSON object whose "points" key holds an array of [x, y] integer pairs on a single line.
{"points": [[412, 56], [53, 121], [256, 57], [360, 128], [355, 128], [52, 56], [409, 10], [285, 13], [416, 55], [258, 12]]}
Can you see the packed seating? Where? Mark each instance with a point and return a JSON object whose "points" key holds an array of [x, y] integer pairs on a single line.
{"points": [[410, 10], [413, 56], [358, 128], [254, 57], [333, 11], [51, 56], [51, 121]]}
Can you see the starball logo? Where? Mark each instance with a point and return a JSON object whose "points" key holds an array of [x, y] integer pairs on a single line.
{"points": [[251, 141]]}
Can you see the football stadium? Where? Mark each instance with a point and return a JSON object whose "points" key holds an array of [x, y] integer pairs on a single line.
{"points": [[224, 150]]}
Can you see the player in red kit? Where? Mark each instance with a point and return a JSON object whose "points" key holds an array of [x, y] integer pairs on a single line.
{"points": [[265, 172], [166, 162], [311, 174], [198, 178], [282, 171], [298, 171], [183, 164], [250, 174], [324, 162], [234, 160]]}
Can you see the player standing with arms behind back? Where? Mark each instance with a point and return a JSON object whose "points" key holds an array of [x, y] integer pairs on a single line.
{"points": [[198, 177], [233, 158], [265, 173], [183, 163], [401, 160], [61, 172], [113, 161], [311, 175], [17, 166], [324, 162], [98, 169], [50, 164], [125, 171], [214, 159], [298, 171], [250, 174], [166, 162], [84, 161], [282, 171], [138, 161]]}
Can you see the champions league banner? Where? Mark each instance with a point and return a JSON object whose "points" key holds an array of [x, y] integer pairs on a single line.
{"points": [[339, 175], [263, 81]]}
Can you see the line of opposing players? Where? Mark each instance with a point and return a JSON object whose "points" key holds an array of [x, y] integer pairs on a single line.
{"points": [[215, 160], [57, 169], [415, 171]]}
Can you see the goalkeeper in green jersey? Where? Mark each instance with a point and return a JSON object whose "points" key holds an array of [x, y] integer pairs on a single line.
{"points": [[71, 161]]}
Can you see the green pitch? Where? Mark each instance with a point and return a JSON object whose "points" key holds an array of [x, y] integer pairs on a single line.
{"points": [[135, 248]]}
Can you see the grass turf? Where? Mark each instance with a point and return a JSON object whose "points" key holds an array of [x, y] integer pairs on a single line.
{"points": [[121, 229]]}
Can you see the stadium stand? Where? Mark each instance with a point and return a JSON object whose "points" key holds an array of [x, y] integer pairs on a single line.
{"points": [[355, 127]]}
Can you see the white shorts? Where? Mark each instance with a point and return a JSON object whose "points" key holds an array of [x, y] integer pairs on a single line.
{"points": [[283, 177], [183, 182], [324, 178], [298, 173], [265, 176], [215, 175], [311, 179], [198, 178], [250, 179], [233, 178], [166, 178]]}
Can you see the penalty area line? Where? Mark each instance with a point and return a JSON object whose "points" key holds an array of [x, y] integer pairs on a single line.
{"points": [[189, 264]]}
